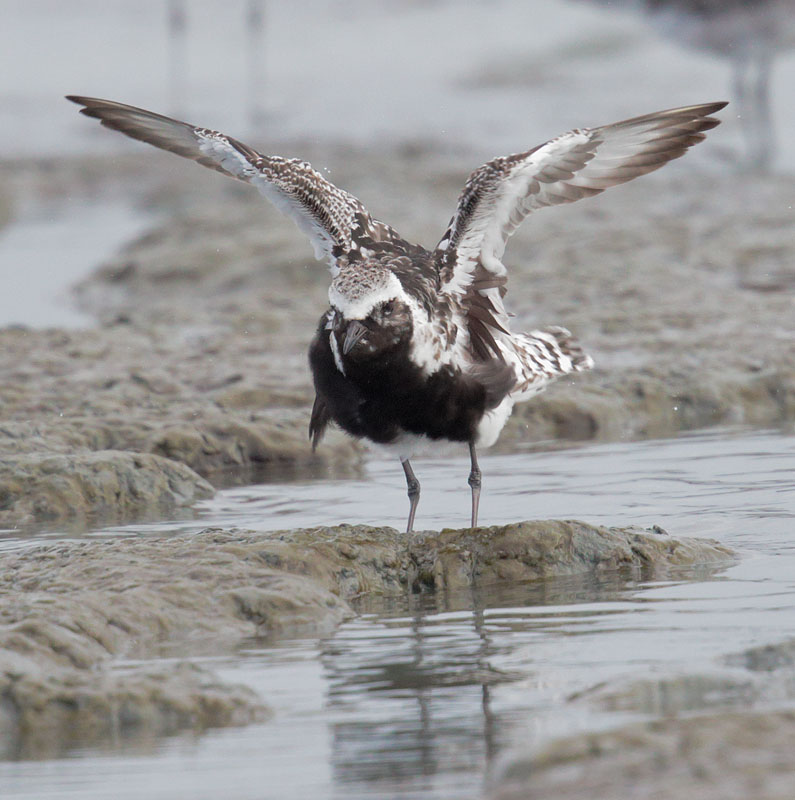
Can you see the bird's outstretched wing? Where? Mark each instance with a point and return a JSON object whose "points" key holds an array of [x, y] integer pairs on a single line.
{"points": [[581, 163], [335, 221]]}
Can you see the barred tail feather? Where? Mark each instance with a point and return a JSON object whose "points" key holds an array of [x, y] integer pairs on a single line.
{"points": [[545, 355], [569, 346]]}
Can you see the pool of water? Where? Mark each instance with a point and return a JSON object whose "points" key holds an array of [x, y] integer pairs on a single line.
{"points": [[45, 252], [419, 697]]}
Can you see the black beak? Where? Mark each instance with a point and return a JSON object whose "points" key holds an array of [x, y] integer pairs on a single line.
{"points": [[354, 333]]}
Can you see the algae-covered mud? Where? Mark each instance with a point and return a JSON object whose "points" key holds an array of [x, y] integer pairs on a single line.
{"points": [[679, 286], [725, 755], [68, 610]]}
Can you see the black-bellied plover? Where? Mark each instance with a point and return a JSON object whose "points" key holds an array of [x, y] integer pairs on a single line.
{"points": [[417, 344]]}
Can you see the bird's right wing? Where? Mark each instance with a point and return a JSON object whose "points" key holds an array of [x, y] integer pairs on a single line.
{"points": [[580, 163], [335, 221], [501, 193]]}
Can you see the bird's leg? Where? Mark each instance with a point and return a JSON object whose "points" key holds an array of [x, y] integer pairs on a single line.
{"points": [[740, 86], [474, 482], [414, 492]]}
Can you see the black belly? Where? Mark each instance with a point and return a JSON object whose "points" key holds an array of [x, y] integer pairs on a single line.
{"points": [[388, 395]]}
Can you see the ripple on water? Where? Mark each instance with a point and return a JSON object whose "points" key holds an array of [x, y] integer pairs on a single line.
{"points": [[418, 695]]}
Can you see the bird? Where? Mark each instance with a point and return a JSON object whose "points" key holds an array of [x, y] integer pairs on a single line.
{"points": [[749, 34], [416, 345]]}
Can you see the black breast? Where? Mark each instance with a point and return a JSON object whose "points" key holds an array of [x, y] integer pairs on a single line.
{"points": [[381, 398]]}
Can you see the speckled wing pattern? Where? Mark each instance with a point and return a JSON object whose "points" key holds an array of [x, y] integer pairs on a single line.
{"points": [[499, 195], [335, 221], [581, 163]]}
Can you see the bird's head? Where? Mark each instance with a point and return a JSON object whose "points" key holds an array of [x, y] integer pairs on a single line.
{"points": [[372, 313]]}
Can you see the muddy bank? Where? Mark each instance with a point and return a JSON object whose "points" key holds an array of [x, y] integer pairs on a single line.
{"points": [[94, 486], [70, 611], [679, 285], [728, 756], [142, 416], [712, 731]]}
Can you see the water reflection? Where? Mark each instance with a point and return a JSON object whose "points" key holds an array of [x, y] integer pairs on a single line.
{"points": [[411, 685]]}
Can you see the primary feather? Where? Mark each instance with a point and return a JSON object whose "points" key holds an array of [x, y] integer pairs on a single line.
{"points": [[335, 221]]}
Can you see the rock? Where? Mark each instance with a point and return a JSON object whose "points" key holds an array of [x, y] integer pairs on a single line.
{"points": [[105, 485], [725, 756]]}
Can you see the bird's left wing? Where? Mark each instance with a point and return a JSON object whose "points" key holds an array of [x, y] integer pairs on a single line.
{"points": [[335, 221], [581, 163]]}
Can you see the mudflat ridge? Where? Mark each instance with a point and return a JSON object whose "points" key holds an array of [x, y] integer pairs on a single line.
{"points": [[71, 612], [678, 284]]}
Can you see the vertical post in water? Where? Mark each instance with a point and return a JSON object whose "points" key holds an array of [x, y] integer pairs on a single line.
{"points": [[177, 52], [255, 61]]}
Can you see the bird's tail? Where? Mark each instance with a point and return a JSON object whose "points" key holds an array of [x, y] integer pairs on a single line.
{"points": [[545, 355], [579, 361]]}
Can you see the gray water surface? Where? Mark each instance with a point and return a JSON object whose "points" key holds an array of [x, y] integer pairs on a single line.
{"points": [[44, 253], [420, 696], [692, 485]]}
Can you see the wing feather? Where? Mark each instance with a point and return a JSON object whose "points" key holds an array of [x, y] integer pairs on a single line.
{"points": [[581, 163], [335, 221]]}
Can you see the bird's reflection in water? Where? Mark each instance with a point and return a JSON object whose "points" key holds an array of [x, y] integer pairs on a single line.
{"points": [[412, 698]]}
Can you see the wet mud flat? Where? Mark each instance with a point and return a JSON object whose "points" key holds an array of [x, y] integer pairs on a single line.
{"points": [[69, 611], [725, 755], [678, 284], [697, 738]]}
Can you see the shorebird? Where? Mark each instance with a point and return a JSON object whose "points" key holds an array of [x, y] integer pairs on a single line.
{"points": [[416, 344], [749, 34]]}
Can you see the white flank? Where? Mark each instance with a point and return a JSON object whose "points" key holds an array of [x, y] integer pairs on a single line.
{"points": [[493, 422]]}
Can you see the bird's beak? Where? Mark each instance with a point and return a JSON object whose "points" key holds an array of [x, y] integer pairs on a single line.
{"points": [[354, 333]]}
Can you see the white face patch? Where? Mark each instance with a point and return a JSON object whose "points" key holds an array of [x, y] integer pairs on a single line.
{"points": [[360, 304]]}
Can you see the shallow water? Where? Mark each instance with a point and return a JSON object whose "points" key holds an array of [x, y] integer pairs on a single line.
{"points": [[43, 253], [419, 695], [499, 75]]}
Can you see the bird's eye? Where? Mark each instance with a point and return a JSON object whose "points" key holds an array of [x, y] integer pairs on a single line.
{"points": [[387, 308]]}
